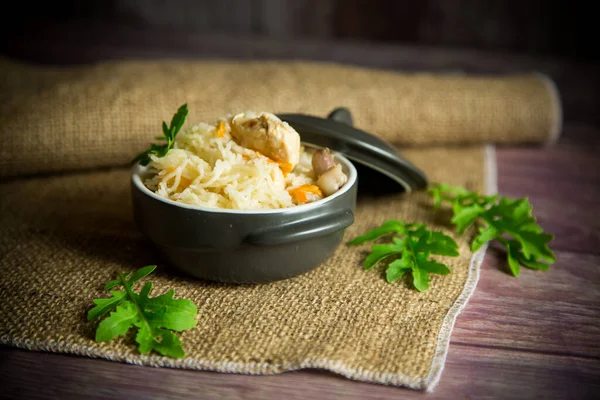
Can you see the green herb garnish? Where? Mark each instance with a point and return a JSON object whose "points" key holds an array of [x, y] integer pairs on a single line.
{"points": [[509, 221], [160, 150], [154, 317], [411, 248]]}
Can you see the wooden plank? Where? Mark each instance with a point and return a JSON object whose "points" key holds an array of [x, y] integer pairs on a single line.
{"points": [[563, 184], [513, 25], [232, 16], [470, 373], [553, 312]]}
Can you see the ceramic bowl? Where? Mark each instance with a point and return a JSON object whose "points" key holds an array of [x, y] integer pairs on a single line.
{"points": [[245, 246]]}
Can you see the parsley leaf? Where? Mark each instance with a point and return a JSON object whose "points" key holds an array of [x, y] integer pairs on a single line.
{"points": [[509, 221], [169, 132], [154, 317], [411, 248]]}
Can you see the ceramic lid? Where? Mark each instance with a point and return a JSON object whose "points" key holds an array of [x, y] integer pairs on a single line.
{"points": [[381, 167]]}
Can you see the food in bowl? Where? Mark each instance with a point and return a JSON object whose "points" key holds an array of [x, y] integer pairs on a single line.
{"points": [[244, 245], [251, 160]]}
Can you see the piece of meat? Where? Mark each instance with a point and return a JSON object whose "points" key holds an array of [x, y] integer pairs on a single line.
{"points": [[332, 180], [267, 134], [322, 161], [330, 176]]}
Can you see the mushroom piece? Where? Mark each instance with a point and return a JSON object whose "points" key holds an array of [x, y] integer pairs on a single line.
{"points": [[332, 180], [267, 134], [322, 161], [330, 175]]}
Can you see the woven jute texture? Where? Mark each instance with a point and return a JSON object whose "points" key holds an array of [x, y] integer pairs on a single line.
{"points": [[65, 118], [64, 235]]}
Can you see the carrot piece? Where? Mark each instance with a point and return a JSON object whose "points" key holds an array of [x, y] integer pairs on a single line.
{"points": [[221, 129], [285, 167], [300, 193]]}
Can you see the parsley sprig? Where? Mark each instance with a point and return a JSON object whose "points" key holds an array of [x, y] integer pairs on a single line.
{"points": [[411, 249], [509, 221], [154, 317], [169, 132]]}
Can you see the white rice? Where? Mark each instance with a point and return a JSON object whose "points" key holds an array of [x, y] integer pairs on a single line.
{"points": [[203, 169]]}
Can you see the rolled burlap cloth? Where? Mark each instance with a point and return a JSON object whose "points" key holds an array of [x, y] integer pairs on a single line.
{"points": [[68, 118]]}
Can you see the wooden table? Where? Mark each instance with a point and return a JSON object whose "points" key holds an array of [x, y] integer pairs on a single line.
{"points": [[533, 336]]}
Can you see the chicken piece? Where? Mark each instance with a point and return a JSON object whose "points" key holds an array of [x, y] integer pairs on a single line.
{"points": [[267, 134], [330, 175]]}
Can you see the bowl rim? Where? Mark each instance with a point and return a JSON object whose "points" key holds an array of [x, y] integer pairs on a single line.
{"points": [[138, 170]]}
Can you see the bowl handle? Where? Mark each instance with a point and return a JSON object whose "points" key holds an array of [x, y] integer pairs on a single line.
{"points": [[304, 229]]}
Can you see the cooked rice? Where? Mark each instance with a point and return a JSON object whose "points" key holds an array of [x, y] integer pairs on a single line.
{"points": [[203, 169]]}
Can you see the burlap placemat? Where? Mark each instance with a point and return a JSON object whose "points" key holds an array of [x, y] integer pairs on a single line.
{"points": [[64, 236]]}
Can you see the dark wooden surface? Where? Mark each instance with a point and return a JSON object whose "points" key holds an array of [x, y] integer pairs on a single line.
{"points": [[536, 336], [551, 27]]}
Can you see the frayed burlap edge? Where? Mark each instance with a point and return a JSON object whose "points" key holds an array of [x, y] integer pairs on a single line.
{"points": [[429, 383], [439, 359]]}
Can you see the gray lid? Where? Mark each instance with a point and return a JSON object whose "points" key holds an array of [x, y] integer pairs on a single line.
{"points": [[386, 170]]}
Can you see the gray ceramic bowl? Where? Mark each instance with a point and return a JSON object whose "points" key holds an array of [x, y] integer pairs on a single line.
{"points": [[245, 246]]}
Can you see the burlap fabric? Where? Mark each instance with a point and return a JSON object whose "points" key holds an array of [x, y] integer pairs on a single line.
{"points": [[64, 235], [56, 119]]}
